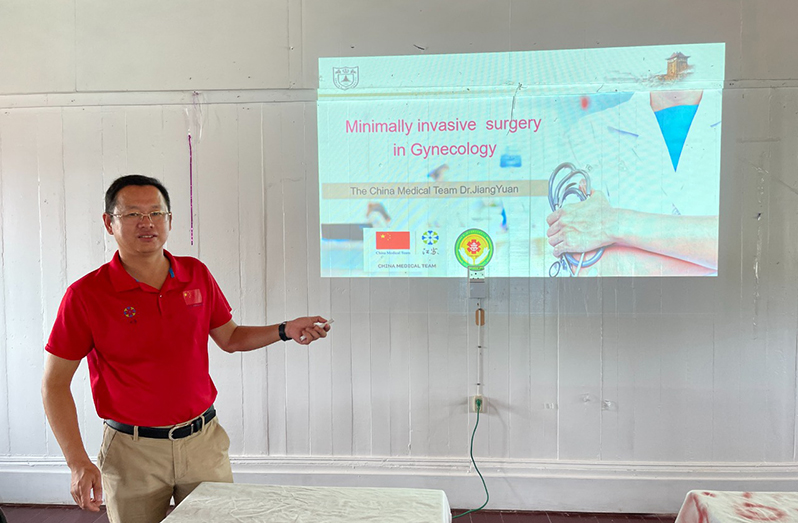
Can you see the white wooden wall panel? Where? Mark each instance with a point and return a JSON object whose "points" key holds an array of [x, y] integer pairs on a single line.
{"points": [[345, 28], [341, 389], [185, 44], [276, 289], [418, 349], [37, 46], [84, 233], [322, 424], [380, 348], [459, 372], [362, 378], [544, 364], [23, 256], [293, 187], [254, 412], [220, 237], [519, 355], [764, 32], [398, 337], [5, 405], [176, 122], [52, 222]]}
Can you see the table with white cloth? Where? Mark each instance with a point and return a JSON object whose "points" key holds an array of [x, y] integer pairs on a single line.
{"points": [[244, 503], [713, 506]]}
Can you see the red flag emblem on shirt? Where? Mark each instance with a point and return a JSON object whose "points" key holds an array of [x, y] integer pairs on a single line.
{"points": [[393, 240], [192, 297]]}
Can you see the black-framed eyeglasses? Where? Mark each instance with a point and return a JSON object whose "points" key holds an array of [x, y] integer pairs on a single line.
{"points": [[136, 217]]}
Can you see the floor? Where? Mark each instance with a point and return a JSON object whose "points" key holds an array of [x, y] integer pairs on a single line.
{"points": [[67, 514]]}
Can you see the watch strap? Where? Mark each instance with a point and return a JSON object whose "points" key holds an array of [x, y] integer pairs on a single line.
{"points": [[281, 331]]}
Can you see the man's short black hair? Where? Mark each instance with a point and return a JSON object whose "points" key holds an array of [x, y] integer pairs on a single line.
{"points": [[133, 179]]}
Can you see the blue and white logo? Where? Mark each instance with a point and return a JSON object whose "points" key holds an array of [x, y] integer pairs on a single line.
{"points": [[430, 237]]}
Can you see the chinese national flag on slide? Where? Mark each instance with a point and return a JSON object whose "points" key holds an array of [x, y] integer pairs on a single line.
{"points": [[393, 240]]}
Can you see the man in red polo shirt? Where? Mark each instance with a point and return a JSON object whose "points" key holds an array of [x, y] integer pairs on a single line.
{"points": [[143, 322]]}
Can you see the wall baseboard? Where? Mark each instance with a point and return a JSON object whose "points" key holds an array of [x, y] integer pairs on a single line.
{"points": [[513, 484]]}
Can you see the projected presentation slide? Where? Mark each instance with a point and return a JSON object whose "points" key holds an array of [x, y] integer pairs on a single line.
{"points": [[589, 163]]}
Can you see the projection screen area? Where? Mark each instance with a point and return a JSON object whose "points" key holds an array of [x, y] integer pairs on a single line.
{"points": [[594, 162]]}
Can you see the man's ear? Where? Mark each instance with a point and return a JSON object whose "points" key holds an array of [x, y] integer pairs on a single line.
{"points": [[107, 222]]}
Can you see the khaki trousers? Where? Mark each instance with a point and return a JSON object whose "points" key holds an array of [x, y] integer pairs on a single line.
{"points": [[141, 475]]}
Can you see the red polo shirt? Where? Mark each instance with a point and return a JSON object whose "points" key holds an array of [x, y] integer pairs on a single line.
{"points": [[147, 348]]}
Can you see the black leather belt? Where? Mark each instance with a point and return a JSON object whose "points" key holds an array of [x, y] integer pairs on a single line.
{"points": [[173, 433]]}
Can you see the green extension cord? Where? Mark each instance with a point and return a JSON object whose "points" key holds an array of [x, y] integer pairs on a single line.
{"points": [[487, 495]]}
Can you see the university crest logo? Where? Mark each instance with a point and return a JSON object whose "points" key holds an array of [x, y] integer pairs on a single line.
{"points": [[345, 77]]}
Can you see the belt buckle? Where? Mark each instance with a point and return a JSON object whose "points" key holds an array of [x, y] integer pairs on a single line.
{"points": [[171, 433]]}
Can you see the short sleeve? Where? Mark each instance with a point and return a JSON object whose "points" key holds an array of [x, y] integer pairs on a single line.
{"points": [[221, 312], [71, 337]]}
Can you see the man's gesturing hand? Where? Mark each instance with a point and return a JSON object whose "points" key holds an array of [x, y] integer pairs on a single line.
{"points": [[306, 330]]}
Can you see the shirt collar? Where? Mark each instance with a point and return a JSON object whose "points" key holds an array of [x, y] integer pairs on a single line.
{"points": [[122, 281]]}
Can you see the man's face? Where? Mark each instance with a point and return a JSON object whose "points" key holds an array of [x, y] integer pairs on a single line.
{"points": [[136, 236]]}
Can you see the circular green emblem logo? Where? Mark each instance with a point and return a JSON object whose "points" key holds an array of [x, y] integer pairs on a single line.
{"points": [[473, 248]]}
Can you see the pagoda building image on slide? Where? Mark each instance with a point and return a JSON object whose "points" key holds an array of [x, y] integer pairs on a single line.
{"points": [[678, 68]]}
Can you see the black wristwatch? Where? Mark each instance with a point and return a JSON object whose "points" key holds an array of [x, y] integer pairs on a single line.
{"points": [[281, 330]]}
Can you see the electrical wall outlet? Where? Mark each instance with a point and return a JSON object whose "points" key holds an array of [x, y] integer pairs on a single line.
{"points": [[472, 404]]}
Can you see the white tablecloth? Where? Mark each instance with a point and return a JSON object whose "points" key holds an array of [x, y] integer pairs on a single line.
{"points": [[710, 506], [242, 503]]}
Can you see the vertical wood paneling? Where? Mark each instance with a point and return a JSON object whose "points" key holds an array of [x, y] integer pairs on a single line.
{"points": [[114, 140], [341, 396], [752, 327], [85, 236], [293, 207], [342, 349], [380, 344], [418, 350], [520, 408], [783, 308], [177, 178], [580, 348], [362, 378], [399, 367], [782, 289], [320, 362], [145, 137], [614, 402], [52, 222], [253, 276], [363, 381], [457, 422], [496, 367], [544, 383], [21, 239], [5, 406], [220, 237], [276, 289], [442, 404], [686, 383], [729, 417], [438, 403]]}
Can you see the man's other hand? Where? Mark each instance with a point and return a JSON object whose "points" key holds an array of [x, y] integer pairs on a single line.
{"points": [[86, 479]]}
